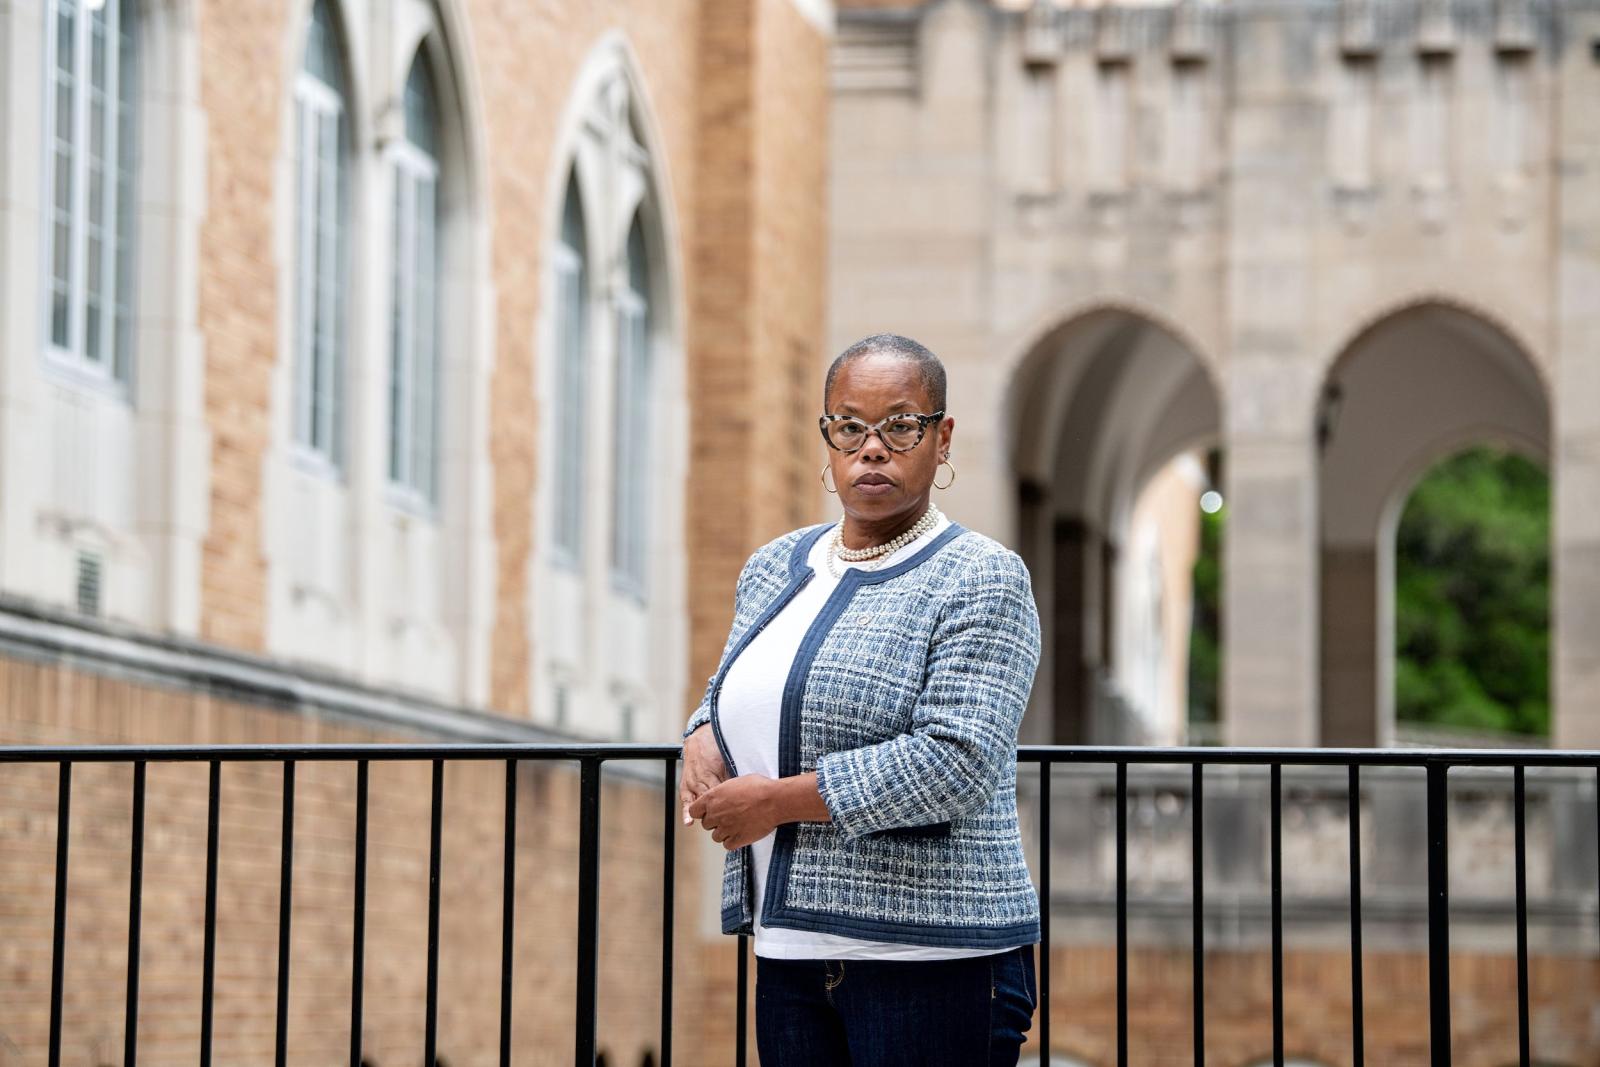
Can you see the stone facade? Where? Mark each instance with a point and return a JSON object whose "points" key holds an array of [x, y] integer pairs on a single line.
{"points": [[1337, 241]]}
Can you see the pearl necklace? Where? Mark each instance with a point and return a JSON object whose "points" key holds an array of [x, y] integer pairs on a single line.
{"points": [[928, 521]]}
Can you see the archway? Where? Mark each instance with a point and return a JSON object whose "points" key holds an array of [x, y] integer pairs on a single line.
{"points": [[1423, 382], [1111, 414]]}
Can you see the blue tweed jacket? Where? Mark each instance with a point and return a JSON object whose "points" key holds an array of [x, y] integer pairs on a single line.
{"points": [[905, 697]]}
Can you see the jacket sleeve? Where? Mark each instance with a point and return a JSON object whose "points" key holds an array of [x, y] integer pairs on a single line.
{"points": [[979, 673], [702, 714]]}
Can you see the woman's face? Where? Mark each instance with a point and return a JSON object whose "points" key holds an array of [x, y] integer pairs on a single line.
{"points": [[876, 485]]}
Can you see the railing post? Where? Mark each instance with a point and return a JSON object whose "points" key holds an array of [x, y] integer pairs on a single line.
{"points": [[1519, 801], [430, 1031], [1044, 911], [1197, 878], [358, 917], [1122, 913], [285, 915], [508, 912], [130, 1050], [58, 951], [1358, 1025], [669, 799], [588, 905], [208, 967], [1438, 916], [1275, 864]]}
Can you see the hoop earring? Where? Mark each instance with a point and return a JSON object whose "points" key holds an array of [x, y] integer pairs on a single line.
{"points": [[824, 478], [952, 481]]}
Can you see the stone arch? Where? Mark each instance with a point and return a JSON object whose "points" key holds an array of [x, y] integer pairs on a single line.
{"points": [[1028, 346], [1100, 403], [1476, 306], [1426, 379]]}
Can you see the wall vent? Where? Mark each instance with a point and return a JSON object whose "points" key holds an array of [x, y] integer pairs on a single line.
{"points": [[90, 589]]}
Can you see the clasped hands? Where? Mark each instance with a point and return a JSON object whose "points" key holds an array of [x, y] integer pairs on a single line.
{"points": [[737, 811]]}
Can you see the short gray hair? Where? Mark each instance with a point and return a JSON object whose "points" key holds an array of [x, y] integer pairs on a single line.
{"points": [[893, 344]]}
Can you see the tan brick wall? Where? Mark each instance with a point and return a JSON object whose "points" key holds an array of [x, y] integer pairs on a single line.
{"points": [[757, 322], [791, 240], [242, 89], [52, 705]]}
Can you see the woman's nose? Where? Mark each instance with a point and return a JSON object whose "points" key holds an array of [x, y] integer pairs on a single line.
{"points": [[873, 447]]}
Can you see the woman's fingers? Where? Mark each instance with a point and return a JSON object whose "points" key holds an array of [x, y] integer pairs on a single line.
{"points": [[703, 770], [696, 783]]}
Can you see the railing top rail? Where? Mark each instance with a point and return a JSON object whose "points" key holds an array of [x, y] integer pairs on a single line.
{"points": [[609, 750]]}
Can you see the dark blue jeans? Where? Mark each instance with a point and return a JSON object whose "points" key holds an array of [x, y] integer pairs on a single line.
{"points": [[968, 1012]]}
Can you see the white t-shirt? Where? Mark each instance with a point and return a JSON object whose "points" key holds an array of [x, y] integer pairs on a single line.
{"points": [[748, 706]]}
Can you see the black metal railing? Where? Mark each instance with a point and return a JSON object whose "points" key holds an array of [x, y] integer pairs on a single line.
{"points": [[1436, 763]]}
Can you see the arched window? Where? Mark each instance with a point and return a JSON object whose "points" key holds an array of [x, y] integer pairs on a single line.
{"points": [[321, 149], [413, 360], [92, 145], [610, 602], [631, 476], [572, 299]]}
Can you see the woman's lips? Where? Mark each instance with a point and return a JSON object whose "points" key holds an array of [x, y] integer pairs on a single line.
{"points": [[874, 488]]}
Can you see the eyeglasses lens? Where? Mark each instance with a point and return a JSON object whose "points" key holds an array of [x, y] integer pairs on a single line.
{"points": [[898, 434]]}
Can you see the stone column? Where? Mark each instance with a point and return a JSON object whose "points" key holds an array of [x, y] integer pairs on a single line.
{"points": [[1352, 660], [1575, 578], [1068, 647], [1270, 591], [1270, 575]]}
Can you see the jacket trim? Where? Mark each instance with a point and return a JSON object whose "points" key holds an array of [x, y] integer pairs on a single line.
{"points": [[773, 913], [799, 574], [944, 936]]}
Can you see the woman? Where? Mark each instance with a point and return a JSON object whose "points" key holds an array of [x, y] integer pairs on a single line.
{"points": [[855, 752]]}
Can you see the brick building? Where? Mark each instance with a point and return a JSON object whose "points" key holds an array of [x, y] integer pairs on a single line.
{"points": [[373, 370]]}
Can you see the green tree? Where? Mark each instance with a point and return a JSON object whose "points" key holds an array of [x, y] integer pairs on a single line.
{"points": [[1472, 596]]}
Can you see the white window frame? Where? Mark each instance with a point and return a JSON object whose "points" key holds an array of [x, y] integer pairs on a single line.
{"points": [[118, 205], [319, 443], [413, 460]]}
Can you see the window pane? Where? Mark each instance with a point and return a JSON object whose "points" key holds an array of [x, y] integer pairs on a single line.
{"points": [[328, 283], [399, 371], [126, 208], [64, 179], [66, 33], [320, 259], [97, 50], [93, 124], [421, 111], [425, 387], [631, 474], [322, 60], [302, 273], [571, 389]]}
